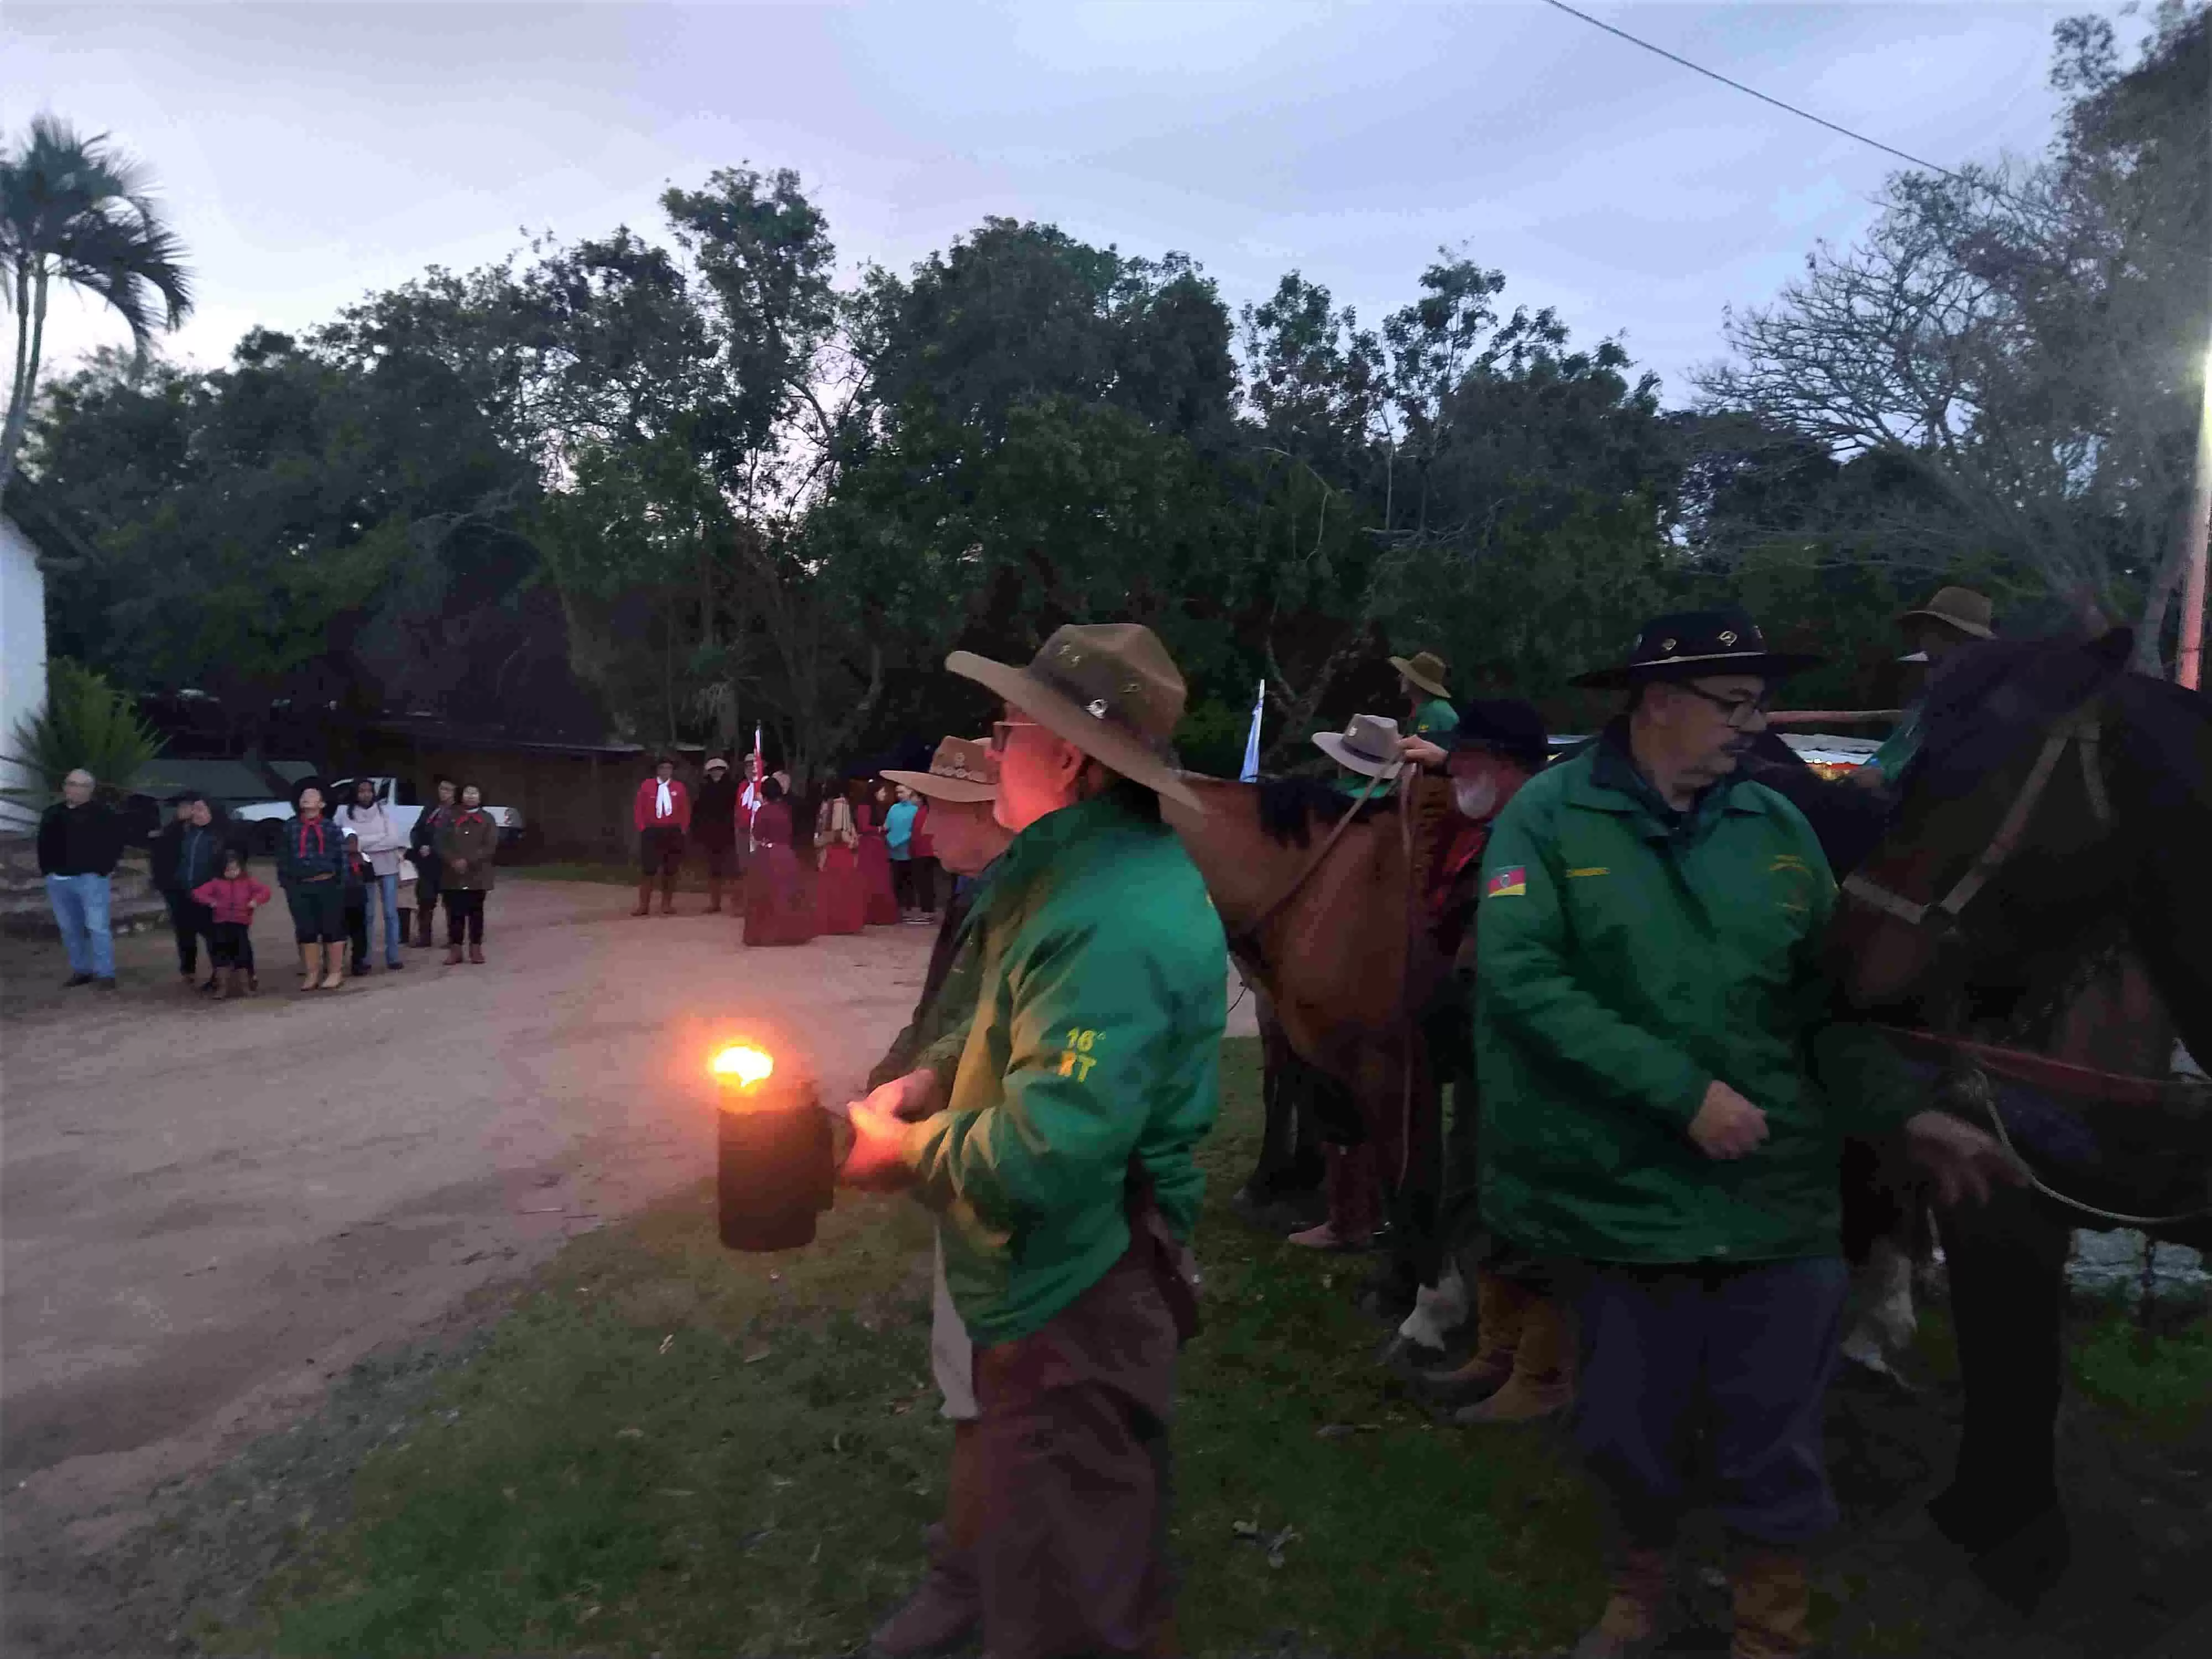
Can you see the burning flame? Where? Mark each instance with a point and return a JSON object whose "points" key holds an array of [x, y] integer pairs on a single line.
{"points": [[748, 1065]]}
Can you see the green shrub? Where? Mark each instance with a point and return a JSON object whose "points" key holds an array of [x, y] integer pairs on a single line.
{"points": [[86, 723]]}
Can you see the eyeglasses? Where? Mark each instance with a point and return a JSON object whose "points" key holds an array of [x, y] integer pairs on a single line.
{"points": [[1000, 732], [1738, 712]]}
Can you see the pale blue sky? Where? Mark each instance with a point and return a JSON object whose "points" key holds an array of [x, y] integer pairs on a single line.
{"points": [[309, 152]]}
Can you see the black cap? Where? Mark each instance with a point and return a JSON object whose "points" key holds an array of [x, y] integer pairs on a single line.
{"points": [[1505, 724]]}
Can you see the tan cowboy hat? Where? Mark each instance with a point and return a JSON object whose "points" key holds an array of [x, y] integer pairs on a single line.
{"points": [[1110, 688], [1426, 670], [961, 769], [1961, 608], [1368, 747]]}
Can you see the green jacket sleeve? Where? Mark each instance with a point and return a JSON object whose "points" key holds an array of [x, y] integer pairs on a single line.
{"points": [[1523, 981], [1073, 1102], [1867, 1087]]}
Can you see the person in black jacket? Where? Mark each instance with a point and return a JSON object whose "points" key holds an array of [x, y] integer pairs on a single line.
{"points": [[422, 847], [715, 826], [188, 855], [80, 840]]}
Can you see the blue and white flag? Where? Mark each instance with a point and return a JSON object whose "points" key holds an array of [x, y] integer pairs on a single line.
{"points": [[1251, 773]]}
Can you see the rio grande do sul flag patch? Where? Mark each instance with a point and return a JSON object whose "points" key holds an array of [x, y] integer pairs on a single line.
{"points": [[1511, 882]]}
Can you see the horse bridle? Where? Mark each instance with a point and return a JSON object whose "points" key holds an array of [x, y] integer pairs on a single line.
{"points": [[2081, 729]]}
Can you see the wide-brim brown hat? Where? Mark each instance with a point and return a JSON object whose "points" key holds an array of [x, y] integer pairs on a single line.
{"points": [[1110, 688], [961, 769], [1426, 670], [1689, 644], [1961, 608]]}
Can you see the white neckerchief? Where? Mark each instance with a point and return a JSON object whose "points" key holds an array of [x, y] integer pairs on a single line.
{"points": [[663, 807]]}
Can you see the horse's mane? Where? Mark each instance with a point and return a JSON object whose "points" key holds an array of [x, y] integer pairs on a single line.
{"points": [[1290, 807]]}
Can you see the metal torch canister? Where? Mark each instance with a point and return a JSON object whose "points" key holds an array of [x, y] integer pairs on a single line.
{"points": [[777, 1170]]}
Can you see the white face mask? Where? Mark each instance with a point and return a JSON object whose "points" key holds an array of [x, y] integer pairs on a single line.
{"points": [[1476, 797]]}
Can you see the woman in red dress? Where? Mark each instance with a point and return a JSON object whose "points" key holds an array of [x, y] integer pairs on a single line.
{"points": [[844, 908], [883, 905], [779, 901]]}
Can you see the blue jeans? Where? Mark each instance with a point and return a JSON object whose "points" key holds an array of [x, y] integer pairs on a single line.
{"points": [[387, 889], [81, 907], [1703, 1381]]}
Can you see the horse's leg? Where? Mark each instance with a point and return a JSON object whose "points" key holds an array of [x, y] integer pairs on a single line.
{"points": [[1290, 1160], [2007, 1267], [1882, 1204]]}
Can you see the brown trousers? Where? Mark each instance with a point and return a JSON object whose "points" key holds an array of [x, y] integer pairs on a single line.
{"points": [[1072, 1442]]}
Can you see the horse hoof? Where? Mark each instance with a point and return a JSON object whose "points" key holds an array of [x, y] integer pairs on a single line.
{"points": [[2017, 1563]]}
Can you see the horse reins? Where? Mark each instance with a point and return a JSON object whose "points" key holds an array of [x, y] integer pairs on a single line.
{"points": [[1250, 931], [2081, 730]]}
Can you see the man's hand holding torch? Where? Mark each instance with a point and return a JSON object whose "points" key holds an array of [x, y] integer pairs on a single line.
{"points": [[878, 1163]]}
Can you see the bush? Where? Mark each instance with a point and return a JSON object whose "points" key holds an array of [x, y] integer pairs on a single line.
{"points": [[86, 723]]}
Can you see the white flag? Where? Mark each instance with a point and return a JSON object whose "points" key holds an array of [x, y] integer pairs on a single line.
{"points": [[1251, 773]]}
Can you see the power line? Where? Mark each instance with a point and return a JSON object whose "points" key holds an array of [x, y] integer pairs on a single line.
{"points": [[1803, 114]]}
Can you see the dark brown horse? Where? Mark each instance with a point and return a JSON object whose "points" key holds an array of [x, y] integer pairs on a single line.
{"points": [[2051, 836]]}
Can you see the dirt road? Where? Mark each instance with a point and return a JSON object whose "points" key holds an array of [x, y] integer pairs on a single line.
{"points": [[210, 1211]]}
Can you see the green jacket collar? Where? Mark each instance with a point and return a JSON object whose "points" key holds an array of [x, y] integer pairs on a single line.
{"points": [[1612, 782], [1044, 840]]}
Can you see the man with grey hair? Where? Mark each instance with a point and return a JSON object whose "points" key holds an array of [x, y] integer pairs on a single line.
{"points": [[80, 840]]}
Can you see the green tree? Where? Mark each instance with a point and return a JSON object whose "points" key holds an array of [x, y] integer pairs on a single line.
{"points": [[2032, 341], [78, 210]]}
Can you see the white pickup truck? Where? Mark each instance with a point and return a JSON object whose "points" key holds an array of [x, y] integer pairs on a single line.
{"points": [[267, 816]]}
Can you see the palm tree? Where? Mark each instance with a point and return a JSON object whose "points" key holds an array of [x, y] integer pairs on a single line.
{"points": [[78, 209]]}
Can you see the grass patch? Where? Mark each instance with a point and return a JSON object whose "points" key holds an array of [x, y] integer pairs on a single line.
{"points": [[666, 1447], [2158, 1383]]}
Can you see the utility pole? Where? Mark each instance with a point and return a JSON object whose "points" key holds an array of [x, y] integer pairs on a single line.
{"points": [[2189, 660]]}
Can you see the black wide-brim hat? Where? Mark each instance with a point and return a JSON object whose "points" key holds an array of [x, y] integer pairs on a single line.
{"points": [[1689, 645]]}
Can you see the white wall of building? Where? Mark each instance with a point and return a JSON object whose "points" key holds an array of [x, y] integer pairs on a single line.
{"points": [[23, 652]]}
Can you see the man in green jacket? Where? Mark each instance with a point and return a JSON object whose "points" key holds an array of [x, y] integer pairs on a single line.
{"points": [[1429, 711], [1664, 1100], [1062, 1169], [912, 1080]]}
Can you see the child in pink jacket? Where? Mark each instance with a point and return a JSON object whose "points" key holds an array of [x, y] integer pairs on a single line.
{"points": [[232, 896]]}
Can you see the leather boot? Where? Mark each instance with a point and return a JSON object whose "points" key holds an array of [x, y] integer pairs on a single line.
{"points": [[454, 954], [235, 984], [644, 897], [1501, 1308], [948, 1606], [1633, 1623], [422, 927], [224, 985], [1774, 1603], [310, 965], [335, 976], [1543, 1380], [668, 894], [476, 953], [1350, 1226], [714, 895]]}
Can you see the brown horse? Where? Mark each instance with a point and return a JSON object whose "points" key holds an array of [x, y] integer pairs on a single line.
{"points": [[1327, 905], [2050, 837], [1323, 933]]}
